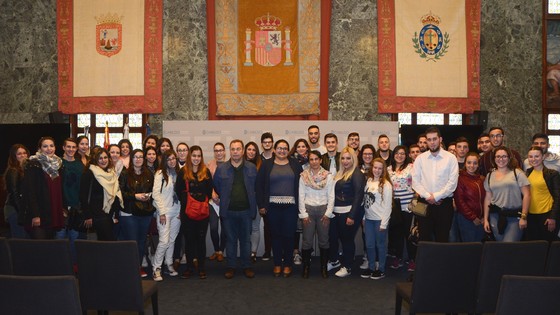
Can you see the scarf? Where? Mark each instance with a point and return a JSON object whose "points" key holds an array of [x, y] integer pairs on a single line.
{"points": [[315, 181], [110, 183], [50, 165]]}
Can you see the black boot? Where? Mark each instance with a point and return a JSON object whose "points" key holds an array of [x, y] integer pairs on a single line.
{"points": [[306, 256], [324, 260]]}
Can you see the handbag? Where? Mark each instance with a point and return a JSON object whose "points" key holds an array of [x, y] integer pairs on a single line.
{"points": [[196, 210], [419, 208]]}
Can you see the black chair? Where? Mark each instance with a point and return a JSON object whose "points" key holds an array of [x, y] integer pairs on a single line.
{"points": [[444, 280], [41, 257], [503, 258], [109, 277], [553, 260], [5, 258], [56, 295], [528, 295]]}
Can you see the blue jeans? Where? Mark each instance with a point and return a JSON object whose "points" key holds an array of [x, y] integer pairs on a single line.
{"points": [[16, 230], [218, 236], [512, 233], [135, 228], [238, 228], [72, 235], [376, 244], [469, 231]]}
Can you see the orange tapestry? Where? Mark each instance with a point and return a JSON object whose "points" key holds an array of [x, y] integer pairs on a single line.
{"points": [[268, 58], [109, 56], [429, 56]]}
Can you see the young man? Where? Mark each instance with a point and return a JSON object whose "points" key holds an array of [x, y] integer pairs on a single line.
{"points": [[413, 151], [484, 144], [330, 160], [353, 141], [461, 150], [234, 182], [422, 143], [434, 178], [267, 141], [384, 149], [313, 135], [551, 160], [497, 137]]}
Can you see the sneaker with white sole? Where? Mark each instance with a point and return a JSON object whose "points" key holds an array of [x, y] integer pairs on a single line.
{"points": [[377, 274], [411, 266], [333, 265], [144, 262], [171, 271], [157, 275], [343, 272], [396, 264], [365, 264], [297, 259], [366, 274]]}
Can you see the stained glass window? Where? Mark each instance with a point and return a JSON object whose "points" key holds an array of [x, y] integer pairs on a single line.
{"points": [[114, 120], [429, 119], [405, 118], [554, 144], [135, 120], [455, 119], [553, 6], [554, 121], [84, 120]]}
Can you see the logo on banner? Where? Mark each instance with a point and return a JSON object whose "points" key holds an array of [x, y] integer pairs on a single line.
{"points": [[431, 44], [268, 43], [108, 34]]}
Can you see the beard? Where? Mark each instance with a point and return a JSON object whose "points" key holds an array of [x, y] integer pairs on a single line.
{"points": [[435, 150]]}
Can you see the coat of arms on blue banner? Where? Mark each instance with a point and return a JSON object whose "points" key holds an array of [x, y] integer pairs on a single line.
{"points": [[431, 43]]}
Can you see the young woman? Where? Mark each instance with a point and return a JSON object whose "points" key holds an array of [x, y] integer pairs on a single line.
{"points": [[83, 149], [150, 141], [126, 148], [150, 159], [163, 145], [197, 176], [316, 202], [401, 178], [100, 195], [42, 191], [300, 152], [167, 213], [378, 200], [136, 186], [182, 150], [253, 155], [277, 198], [219, 242], [469, 198], [115, 154], [507, 195], [365, 159], [13, 176], [349, 193], [545, 198]]}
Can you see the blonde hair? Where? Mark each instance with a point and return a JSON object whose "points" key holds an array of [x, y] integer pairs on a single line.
{"points": [[346, 174]]}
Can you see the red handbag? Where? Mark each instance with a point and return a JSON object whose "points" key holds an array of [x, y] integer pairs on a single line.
{"points": [[196, 210]]}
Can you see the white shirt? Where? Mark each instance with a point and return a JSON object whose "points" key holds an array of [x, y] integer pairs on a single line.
{"points": [[437, 175], [380, 210], [316, 197]]}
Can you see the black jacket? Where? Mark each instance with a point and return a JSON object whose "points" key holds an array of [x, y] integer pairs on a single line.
{"points": [[326, 161], [263, 181], [141, 184], [552, 179]]}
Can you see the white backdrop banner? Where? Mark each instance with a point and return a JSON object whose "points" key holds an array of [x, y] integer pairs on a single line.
{"points": [[206, 133]]}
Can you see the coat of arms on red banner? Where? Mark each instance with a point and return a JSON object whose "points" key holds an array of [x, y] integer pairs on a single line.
{"points": [[108, 34], [268, 43]]}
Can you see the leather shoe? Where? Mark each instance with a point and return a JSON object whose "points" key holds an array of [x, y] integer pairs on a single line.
{"points": [[187, 274], [249, 273], [287, 271], [213, 256], [229, 273], [202, 275], [277, 270], [220, 256]]}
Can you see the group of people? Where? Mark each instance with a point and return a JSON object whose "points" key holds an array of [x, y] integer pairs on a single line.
{"points": [[301, 192]]}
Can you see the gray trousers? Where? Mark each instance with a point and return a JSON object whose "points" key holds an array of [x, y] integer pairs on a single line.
{"points": [[315, 225]]}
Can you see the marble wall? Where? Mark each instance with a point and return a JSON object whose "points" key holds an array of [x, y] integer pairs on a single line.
{"points": [[510, 63]]}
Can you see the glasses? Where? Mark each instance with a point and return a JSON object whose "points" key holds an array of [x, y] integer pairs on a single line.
{"points": [[502, 157], [281, 149], [171, 159], [497, 136], [138, 157], [183, 150]]}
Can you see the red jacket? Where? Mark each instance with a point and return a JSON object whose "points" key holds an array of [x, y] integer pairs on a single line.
{"points": [[469, 195]]}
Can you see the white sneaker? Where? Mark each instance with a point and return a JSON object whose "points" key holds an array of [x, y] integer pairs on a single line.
{"points": [[343, 272], [297, 259], [157, 275], [332, 265], [364, 265], [172, 272], [144, 262], [183, 259]]}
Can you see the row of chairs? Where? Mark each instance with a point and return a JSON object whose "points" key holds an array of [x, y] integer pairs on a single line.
{"points": [[37, 277], [467, 277]]}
